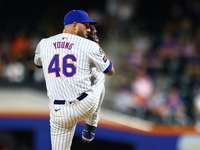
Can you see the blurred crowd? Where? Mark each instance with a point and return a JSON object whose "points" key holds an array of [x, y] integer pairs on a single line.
{"points": [[159, 69]]}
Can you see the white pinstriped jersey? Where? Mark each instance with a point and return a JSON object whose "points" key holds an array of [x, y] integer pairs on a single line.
{"points": [[66, 60]]}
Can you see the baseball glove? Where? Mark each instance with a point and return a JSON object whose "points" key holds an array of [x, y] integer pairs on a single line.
{"points": [[93, 34]]}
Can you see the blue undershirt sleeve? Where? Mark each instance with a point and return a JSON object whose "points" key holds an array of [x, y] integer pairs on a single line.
{"points": [[108, 68]]}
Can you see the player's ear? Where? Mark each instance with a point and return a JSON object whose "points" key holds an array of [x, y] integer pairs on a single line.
{"points": [[74, 26]]}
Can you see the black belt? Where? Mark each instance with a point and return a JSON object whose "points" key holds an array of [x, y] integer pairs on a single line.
{"points": [[62, 102]]}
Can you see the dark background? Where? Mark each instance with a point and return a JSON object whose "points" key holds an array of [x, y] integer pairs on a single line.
{"points": [[149, 14]]}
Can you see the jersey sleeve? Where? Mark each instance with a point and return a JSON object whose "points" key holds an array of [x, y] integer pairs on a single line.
{"points": [[37, 58], [99, 59]]}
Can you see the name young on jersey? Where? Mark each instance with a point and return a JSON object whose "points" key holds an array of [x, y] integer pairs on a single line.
{"points": [[63, 44]]}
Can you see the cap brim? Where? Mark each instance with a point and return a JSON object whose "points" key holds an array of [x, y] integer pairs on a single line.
{"points": [[90, 22]]}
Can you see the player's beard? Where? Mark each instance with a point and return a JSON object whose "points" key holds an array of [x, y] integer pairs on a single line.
{"points": [[81, 33]]}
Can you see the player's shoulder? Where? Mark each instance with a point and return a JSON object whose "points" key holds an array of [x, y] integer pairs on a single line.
{"points": [[83, 42], [71, 38], [82, 39]]}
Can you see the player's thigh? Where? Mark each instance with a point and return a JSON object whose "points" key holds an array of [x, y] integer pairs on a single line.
{"points": [[89, 105]]}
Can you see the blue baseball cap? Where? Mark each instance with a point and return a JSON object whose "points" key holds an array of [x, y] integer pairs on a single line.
{"points": [[78, 16]]}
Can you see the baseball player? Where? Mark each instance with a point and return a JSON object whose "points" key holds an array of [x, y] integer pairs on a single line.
{"points": [[75, 89]]}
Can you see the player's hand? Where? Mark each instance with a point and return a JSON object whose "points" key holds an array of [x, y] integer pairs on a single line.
{"points": [[93, 34]]}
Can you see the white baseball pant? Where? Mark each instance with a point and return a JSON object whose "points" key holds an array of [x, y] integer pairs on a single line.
{"points": [[64, 118]]}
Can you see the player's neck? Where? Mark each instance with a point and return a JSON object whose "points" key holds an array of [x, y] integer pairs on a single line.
{"points": [[69, 31]]}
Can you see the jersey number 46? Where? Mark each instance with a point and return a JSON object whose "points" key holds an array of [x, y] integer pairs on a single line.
{"points": [[67, 68]]}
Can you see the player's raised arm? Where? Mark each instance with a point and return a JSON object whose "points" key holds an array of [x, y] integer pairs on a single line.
{"points": [[110, 69], [93, 37]]}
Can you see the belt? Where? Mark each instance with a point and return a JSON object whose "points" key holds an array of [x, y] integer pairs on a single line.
{"points": [[62, 102]]}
